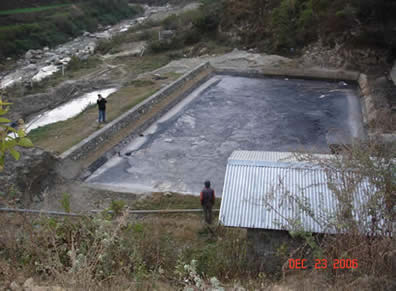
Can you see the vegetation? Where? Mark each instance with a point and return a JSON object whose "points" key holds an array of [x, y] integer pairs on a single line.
{"points": [[364, 229], [113, 249], [291, 24], [105, 251], [32, 9], [190, 28], [10, 137], [43, 27]]}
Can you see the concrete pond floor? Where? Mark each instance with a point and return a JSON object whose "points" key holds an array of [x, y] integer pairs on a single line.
{"points": [[192, 142]]}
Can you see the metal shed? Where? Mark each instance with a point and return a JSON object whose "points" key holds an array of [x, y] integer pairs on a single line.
{"points": [[275, 191]]}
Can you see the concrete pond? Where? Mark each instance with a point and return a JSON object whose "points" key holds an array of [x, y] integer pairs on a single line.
{"points": [[192, 142]]}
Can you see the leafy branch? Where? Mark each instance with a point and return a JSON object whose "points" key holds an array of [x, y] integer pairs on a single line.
{"points": [[10, 137]]}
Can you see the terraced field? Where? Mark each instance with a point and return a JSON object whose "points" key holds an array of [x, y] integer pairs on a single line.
{"points": [[32, 9]]}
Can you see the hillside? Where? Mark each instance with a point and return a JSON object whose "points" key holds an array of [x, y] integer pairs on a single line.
{"points": [[78, 235], [287, 26], [32, 28]]}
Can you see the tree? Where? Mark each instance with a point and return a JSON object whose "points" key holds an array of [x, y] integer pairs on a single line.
{"points": [[10, 137]]}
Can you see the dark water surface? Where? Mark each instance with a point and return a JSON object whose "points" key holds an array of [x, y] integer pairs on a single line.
{"points": [[235, 114]]}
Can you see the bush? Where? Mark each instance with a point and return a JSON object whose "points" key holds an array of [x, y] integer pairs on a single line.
{"points": [[368, 240], [159, 46], [209, 17]]}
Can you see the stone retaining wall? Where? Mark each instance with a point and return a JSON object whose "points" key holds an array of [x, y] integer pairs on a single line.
{"points": [[377, 114], [95, 140]]}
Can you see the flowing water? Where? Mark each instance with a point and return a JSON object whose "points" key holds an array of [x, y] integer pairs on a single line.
{"points": [[68, 110]]}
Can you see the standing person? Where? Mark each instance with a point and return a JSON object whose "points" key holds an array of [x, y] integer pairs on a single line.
{"points": [[207, 201], [102, 108]]}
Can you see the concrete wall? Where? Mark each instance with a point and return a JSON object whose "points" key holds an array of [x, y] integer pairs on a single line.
{"points": [[95, 140], [309, 73]]}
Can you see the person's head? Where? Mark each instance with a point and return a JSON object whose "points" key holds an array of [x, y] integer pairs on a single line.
{"points": [[100, 96], [207, 183]]}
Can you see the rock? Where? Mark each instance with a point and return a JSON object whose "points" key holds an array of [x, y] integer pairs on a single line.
{"points": [[32, 174], [363, 83], [29, 54], [169, 140], [46, 49], [31, 67], [14, 286], [393, 73], [203, 51], [37, 199], [48, 54], [166, 34], [168, 194], [64, 61], [9, 59], [29, 283]]}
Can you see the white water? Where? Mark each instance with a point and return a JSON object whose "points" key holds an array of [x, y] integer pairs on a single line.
{"points": [[45, 72], [68, 110]]}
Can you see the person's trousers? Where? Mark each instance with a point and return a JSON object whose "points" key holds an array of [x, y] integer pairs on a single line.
{"points": [[102, 115], [207, 209]]}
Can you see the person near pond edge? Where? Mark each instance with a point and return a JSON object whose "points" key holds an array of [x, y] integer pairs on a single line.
{"points": [[207, 201], [102, 108]]}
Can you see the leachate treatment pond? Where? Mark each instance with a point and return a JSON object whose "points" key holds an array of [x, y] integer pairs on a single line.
{"points": [[192, 142]]}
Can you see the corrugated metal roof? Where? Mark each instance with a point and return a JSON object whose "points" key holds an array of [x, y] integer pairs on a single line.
{"points": [[272, 190], [267, 156]]}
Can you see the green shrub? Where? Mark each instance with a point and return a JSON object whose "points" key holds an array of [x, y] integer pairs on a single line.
{"points": [[117, 206], [209, 17], [65, 202], [159, 46]]}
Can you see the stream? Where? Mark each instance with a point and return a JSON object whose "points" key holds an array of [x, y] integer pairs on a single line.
{"points": [[39, 64], [68, 110]]}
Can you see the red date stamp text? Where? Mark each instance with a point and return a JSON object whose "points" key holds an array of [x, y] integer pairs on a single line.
{"points": [[302, 264]]}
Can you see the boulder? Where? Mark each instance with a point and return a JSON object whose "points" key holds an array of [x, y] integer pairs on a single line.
{"points": [[31, 67], [29, 283], [48, 54], [363, 84], [28, 54], [393, 73], [14, 286]]}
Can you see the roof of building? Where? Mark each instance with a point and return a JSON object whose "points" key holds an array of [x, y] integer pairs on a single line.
{"points": [[274, 190]]}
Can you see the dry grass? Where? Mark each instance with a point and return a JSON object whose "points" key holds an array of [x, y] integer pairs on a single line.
{"points": [[60, 136], [97, 253]]}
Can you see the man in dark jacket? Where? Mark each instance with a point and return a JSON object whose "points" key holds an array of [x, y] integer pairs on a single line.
{"points": [[207, 201], [102, 108]]}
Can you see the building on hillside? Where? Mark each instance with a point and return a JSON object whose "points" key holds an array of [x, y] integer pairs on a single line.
{"points": [[272, 193]]}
